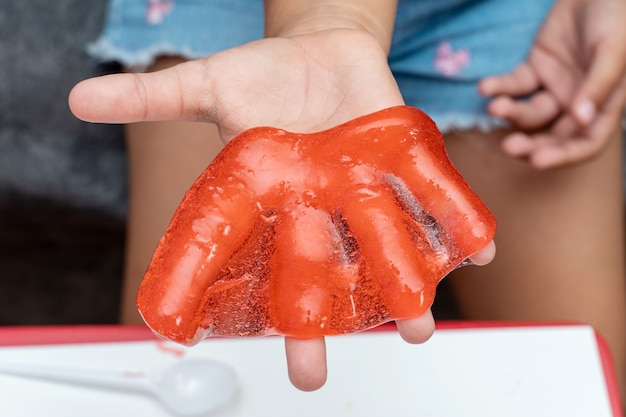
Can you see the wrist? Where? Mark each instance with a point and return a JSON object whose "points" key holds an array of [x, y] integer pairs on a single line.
{"points": [[288, 18]]}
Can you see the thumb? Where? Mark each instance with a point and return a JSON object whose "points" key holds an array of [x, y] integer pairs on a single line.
{"points": [[168, 94]]}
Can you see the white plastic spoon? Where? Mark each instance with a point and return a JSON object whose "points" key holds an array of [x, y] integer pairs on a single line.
{"points": [[190, 387]]}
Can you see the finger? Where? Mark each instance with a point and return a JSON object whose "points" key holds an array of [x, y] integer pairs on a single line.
{"points": [[605, 75], [519, 82], [417, 330], [552, 152], [306, 362], [547, 150], [485, 255], [518, 145], [566, 145], [160, 95], [565, 127], [531, 114]]}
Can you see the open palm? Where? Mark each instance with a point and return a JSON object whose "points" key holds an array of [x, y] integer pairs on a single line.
{"points": [[302, 84]]}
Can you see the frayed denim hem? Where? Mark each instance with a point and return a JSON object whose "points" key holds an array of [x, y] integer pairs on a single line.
{"points": [[453, 122], [139, 60]]}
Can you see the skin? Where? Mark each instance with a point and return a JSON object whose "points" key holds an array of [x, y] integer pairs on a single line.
{"points": [[569, 128], [160, 171], [166, 95], [558, 170], [574, 77]]}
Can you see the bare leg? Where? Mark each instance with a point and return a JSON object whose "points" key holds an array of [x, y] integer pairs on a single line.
{"points": [[164, 159], [560, 242]]}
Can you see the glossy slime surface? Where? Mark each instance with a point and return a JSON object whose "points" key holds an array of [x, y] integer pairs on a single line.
{"points": [[314, 234]]}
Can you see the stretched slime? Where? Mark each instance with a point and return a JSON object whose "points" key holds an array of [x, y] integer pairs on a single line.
{"points": [[314, 234]]}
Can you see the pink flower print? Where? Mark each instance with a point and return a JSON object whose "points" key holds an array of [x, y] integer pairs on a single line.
{"points": [[450, 62], [157, 10]]}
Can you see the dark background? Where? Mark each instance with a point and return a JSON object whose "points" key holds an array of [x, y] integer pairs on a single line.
{"points": [[62, 182]]}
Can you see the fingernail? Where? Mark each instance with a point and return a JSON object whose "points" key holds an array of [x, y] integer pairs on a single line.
{"points": [[586, 111]]}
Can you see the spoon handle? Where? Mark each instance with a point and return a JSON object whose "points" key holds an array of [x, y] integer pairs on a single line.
{"points": [[136, 382]]}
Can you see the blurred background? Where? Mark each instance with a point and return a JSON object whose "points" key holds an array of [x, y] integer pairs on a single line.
{"points": [[62, 182]]}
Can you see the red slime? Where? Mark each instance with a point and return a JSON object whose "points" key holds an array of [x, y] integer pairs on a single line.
{"points": [[316, 234]]}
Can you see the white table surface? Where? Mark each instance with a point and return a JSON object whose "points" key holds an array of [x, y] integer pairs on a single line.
{"points": [[529, 371]]}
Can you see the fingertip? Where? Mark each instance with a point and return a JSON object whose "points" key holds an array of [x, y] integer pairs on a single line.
{"points": [[521, 81], [306, 362], [417, 330], [103, 99], [75, 100], [549, 157], [543, 162], [603, 78], [516, 145], [485, 255], [584, 111], [487, 87], [501, 106]]}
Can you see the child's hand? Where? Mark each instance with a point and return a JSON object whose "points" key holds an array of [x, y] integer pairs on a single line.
{"points": [[573, 85], [312, 235], [304, 84]]}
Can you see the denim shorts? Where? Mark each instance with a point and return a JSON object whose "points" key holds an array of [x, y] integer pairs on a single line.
{"points": [[440, 48]]}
